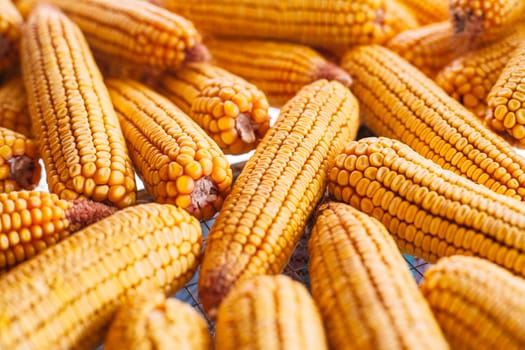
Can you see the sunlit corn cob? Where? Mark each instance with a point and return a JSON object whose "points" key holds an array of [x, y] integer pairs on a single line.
{"points": [[469, 78], [263, 217], [10, 26], [428, 11], [429, 48], [269, 312], [485, 20], [176, 160], [431, 212], [478, 304], [231, 110], [361, 283], [506, 99], [80, 139], [400, 102], [279, 69], [65, 297], [13, 107], [150, 321], [325, 24]]}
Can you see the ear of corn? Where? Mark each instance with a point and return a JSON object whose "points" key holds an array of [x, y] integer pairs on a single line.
{"points": [[177, 161], [469, 78], [478, 304], [279, 69], [66, 296], [400, 102], [431, 212], [231, 110], [366, 295], [10, 26], [150, 321], [13, 107], [399, 18], [428, 11], [263, 217], [269, 312], [80, 139]]}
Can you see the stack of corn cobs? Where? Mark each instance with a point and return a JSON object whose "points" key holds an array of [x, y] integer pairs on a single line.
{"points": [[99, 91]]}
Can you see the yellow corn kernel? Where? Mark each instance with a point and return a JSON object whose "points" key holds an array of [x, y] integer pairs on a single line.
{"points": [[13, 107], [428, 11], [477, 304], [269, 312], [10, 26], [277, 190], [66, 296], [71, 111], [366, 295]]}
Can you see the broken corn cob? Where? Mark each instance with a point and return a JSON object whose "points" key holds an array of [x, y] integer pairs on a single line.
{"points": [[231, 110], [66, 296], [430, 211], [469, 78], [366, 295], [428, 11], [400, 102], [13, 107], [269, 312], [279, 69], [32, 221], [177, 161], [477, 303], [10, 26], [150, 321], [80, 139], [263, 217]]}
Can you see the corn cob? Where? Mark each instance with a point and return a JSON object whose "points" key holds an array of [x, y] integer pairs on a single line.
{"points": [[326, 24], [263, 217], [66, 296], [478, 305], [366, 295], [150, 321], [13, 107], [399, 18], [231, 110], [469, 78], [428, 11], [430, 47], [485, 20], [177, 161], [399, 102], [279, 69], [430, 211], [10, 26], [80, 139], [269, 312]]}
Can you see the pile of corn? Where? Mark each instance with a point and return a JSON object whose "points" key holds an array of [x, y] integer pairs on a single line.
{"points": [[100, 92]]}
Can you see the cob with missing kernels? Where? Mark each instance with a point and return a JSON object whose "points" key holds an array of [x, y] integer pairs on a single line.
{"points": [[10, 26], [13, 107]]}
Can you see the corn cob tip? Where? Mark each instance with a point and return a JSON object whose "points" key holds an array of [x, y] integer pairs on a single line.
{"points": [[466, 23], [197, 53], [330, 71], [204, 194], [246, 127], [85, 212], [23, 170]]}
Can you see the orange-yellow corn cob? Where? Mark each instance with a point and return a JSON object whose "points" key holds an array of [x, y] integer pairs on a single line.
{"points": [[428, 11], [478, 304], [263, 217], [366, 295], [469, 78], [279, 69], [398, 17], [328, 24], [430, 211], [150, 321], [485, 20], [506, 99], [10, 26], [13, 107], [32, 221], [78, 131], [269, 312], [231, 110], [400, 102], [65, 297], [429, 48], [177, 161]]}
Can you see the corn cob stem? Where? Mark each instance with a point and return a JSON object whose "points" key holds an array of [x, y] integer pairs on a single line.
{"points": [[399, 102], [13, 107], [10, 26], [66, 296], [478, 304], [366, 295], [263, 217]]}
